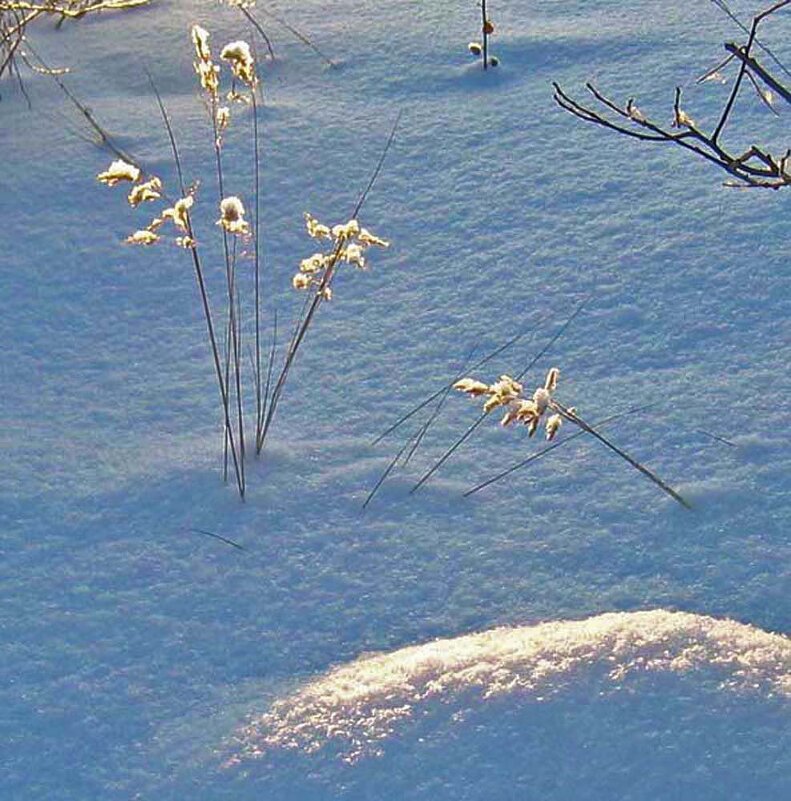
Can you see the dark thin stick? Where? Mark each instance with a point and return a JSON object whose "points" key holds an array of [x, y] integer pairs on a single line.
{"points": [[485, 53], [257, 25], [755, 67], [317, 298], [459, 442], [218, 537], [435, 413], [574, 418], [716, 437], [556, 444], [257, 268], [301, 36], [496, 352], [202, 287], [383, 477]]}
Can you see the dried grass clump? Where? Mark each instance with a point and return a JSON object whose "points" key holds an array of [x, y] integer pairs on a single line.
{"points": [[225, 84]]}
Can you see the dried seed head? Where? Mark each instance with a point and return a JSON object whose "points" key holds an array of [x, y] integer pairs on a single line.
{"points": [[365, 237], [326, 293], [683, 120], [475, 48], [209, 77], [239, 56], [143, 237], [119, 170], [551, 382], [316, 229], [200, 39], [471, 387], [347, 231], [179, 213], [223, 117], [313, 264], [185, 242], [554, 421], [145, 192], [541, 398], [353, 254], [232, 216], [301, 281]]}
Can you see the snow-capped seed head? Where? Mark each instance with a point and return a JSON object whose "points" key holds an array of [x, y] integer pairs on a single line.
{"points": [[143, 237], [223, 117], [209, 77], [551, 382], [541, 398], [526, 411], [471, 387], [145, 192], [185, 242], [179, 213], [365, 237], [313, 264], [232, 216], [347, 231], [301, 281], [494, 61], [354, 255], [119, 170], [554, 421], [200, 39], [316, 229], [475, 48], [240, 57]]}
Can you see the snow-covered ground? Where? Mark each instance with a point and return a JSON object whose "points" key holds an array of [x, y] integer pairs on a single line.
{"points": [[140, 659]]}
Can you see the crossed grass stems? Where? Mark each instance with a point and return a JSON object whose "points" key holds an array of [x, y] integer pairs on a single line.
{"points": [[507, 393]]}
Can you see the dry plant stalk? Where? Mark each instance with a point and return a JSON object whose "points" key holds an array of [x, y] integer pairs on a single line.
{"points": [[755, 167], [508, 394], [481, 49]]}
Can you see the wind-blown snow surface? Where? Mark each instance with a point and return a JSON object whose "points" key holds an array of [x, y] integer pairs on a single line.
{"points": [[133, 648]]}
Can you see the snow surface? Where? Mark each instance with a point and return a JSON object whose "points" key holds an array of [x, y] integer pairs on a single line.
{"points": [[134, 650]]}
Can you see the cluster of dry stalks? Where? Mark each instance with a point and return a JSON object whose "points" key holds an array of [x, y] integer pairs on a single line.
{"points": [[230, 88]]}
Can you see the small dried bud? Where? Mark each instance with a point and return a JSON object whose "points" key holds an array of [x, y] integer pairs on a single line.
{"points": [[185, 242], [475, 48], [683, 120], [326, 293], [223, 117], [354, 255], [179, 213], [316, 229]]}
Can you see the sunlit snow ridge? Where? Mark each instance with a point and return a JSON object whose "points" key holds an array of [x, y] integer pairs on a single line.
{"points": [[358, 705]]}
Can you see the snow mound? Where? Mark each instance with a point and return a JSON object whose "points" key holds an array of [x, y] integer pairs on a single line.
{"points": [[359, 704]]}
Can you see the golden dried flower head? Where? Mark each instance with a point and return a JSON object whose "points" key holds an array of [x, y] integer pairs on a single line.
{"points": [[179, 213], [232, 216], [145, 192], [239, 56], [119, 170], [200, 39], [143, 237]]}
